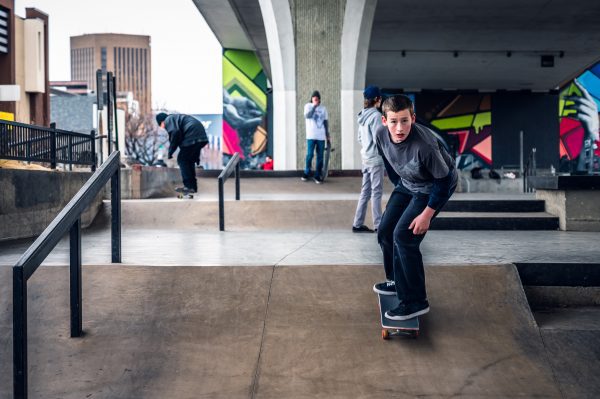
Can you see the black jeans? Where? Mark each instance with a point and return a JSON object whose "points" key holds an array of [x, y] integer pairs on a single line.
{"points": [[187, 159], [402, 258]]}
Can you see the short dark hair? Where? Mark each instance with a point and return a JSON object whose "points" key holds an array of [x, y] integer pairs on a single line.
{"points": [[397, 103], [161, 117]]}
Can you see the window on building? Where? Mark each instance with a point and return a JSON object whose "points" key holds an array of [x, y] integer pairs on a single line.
{"points": [[4, 30]]}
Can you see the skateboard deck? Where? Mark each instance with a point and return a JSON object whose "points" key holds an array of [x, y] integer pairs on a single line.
{"points": [[390, 328], [326, 160], [183, 194]]}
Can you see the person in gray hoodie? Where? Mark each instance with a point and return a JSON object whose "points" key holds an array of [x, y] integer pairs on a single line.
{"points": [[369, 120]]}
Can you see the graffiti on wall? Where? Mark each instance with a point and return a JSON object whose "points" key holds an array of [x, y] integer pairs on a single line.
{"points": [[468, 118], [244, 108], [578, 113]]}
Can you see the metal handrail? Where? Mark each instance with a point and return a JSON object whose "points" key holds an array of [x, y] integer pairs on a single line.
{"points": [[68, 220], [233, 164]]}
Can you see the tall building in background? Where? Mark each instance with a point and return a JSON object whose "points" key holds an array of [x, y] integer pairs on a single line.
{"points": [[127, 56]]}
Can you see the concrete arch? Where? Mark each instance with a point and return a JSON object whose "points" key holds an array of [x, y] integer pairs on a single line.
{"points": [[277, 18], [356, 36]]}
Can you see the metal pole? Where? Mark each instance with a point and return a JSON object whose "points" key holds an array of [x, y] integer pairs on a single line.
{"points": [[221, 207], [19, 333], [109, 110], [114, 87], [70, 152], [237, 181], [93, 141], [53, 146], [75, 283], [521, 154], [115, 203], [100, 107]]}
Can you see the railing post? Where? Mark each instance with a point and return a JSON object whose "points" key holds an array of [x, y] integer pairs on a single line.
{"points": [[115, 203], [94, 157], [19, 333], [53, 146], [221, 206], [70, 152], [75, 283], [237, 181]]}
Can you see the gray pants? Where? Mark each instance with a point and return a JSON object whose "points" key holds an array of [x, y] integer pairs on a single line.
{"points": [[372, 187]]}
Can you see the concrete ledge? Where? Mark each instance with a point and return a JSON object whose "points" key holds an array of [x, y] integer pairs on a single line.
{"points": [[31, 199]]}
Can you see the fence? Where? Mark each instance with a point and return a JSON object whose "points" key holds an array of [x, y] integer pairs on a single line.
{"points": [[31, 143]]}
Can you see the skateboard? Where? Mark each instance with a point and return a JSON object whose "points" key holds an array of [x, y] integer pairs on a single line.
{"points": [[328, 150], [181, 194], [390, 328]]}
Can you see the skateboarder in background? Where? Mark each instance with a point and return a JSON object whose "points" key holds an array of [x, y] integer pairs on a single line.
{"points": [[425, 177], [317, 131], [369, 120], [187, 134]]}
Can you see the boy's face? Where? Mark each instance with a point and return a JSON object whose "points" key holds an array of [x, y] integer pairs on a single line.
{"points": [[398, 124], [316, 100]]}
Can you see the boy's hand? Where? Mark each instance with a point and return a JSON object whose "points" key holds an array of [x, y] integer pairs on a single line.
{"points": [[420, 224]]}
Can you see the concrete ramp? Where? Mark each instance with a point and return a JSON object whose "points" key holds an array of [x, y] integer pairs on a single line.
{"points": [[283, 332]]}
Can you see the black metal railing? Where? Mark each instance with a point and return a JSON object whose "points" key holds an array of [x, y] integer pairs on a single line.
{"points": [[68, 220], [31, 143], [530, 169], [232, 165]]}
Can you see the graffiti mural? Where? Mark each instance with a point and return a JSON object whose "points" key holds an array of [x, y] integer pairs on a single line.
{"points": [[468, 118], [578, 113], [244, 108]]}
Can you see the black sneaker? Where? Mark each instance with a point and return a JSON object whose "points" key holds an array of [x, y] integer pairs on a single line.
{"points": [[305, 177], [318, 180], [406, 311], [185, 190], [361, 229], [385, 288]]}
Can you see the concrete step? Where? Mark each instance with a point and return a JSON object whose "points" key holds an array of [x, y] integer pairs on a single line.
{"points": [[495, 221], [494, 205], [305, 215]]}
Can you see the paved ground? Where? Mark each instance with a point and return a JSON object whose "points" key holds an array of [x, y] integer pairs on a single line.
{"points": [[276, 332], [157, 326]]}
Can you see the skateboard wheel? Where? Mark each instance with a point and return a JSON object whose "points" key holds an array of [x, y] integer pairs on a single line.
{"points": [[385, 334]]}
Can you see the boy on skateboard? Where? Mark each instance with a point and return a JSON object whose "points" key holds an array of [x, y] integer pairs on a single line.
{"points": [[424, 176]]}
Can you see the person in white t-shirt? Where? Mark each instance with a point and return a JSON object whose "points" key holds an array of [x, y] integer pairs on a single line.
{"points": [[317, 132]]}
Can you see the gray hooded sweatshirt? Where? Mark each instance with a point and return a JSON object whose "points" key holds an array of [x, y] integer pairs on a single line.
{"points": [[369, 120]]}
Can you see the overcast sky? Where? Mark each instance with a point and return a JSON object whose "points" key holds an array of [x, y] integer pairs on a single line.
{"points": [[186, 56]]}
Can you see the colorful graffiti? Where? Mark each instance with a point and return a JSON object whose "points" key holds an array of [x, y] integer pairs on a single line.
{"points": [[578, 113], [468, 118], [244, 108]]}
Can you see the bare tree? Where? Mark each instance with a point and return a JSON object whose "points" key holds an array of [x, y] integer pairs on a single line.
{"points": [[143, 140]]}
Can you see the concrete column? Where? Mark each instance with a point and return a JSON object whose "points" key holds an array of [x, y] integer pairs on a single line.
{"points": [[277, 18], [356, 35], [318, 31]]}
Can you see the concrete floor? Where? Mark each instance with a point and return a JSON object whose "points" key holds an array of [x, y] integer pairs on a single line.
{"points": [[157, 326]]}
